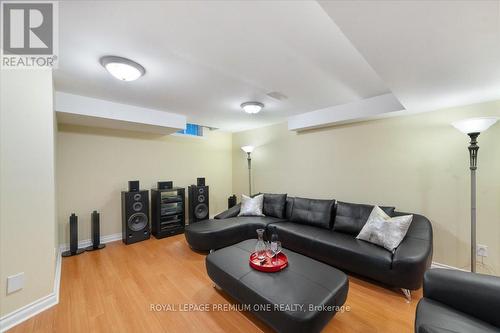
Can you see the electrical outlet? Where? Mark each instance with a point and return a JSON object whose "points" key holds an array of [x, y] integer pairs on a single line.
{"points": [[482, 250], [15, 282]]}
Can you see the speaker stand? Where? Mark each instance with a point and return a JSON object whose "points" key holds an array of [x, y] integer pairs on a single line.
{"points": [[69, 253], [92, 248]]}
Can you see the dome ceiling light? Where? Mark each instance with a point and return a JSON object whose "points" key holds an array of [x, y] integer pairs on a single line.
{"points": [[122, 68], [252, 107]]}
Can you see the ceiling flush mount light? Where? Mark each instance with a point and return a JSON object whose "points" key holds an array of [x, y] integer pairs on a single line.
{"points": [[122, 68], [252, 107]]}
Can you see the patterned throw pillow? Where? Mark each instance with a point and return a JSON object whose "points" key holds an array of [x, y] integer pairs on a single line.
{"points": [[251, 206], [383, 230]]}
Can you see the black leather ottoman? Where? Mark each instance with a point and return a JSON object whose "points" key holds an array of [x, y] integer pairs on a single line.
{"points": [[301, 298]]}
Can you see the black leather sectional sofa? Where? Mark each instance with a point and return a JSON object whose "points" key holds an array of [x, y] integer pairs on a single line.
{"points": [[326, 230], [458, 302]]}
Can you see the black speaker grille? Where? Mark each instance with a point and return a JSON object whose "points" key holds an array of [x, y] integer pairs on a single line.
{"points": [[137, 221], [137, 206], [201, 211], [198, 203]]}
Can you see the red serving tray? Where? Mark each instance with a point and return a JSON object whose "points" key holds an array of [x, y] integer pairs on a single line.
{"points": [[271, 264]]}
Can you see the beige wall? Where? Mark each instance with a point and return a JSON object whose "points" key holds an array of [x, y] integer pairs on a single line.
{"points": [[418, 163], [27, 190], [94, 165]]}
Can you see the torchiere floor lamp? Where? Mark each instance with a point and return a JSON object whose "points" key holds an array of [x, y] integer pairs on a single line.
{"points": [[473, 127], [249, 150]]}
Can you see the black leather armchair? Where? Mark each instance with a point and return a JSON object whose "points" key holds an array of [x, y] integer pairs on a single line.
{"points": [[461, 302]]}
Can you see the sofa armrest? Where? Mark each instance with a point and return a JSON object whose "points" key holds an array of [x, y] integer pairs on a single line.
{"points": [[433, 329], [231, 212], [477, 295], [414, 255]]}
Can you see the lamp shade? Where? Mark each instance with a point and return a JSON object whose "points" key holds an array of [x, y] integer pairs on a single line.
{"points": [[474, 125], [248, 149]]}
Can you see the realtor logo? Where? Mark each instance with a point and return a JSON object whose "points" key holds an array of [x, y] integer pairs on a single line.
{"points": [[29, 34]]}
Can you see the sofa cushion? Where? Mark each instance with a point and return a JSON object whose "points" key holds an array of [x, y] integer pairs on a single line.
{"points": [[231, 212], [296, 237], [274, 205], [215, 234], [347, 253], [437, 315], [313, 212], [350, 217], [289, 207]]}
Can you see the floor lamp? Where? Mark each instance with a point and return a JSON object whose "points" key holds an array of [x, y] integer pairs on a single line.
{"points": [[473, 127], [249, 150]]}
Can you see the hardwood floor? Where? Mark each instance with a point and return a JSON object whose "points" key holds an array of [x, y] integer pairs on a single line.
{"points": [[112, 290]]}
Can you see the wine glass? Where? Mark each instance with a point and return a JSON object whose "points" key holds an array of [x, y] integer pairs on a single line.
{"points": [[277, 249], [269, 251]]}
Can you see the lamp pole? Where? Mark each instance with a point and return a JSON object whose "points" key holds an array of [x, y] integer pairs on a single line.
{"points": [[473, 127], [473, 148], [249, 160], [249, 150]]}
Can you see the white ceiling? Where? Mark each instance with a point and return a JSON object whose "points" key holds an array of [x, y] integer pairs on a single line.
{"points": [[203, 59], [431, 54]]}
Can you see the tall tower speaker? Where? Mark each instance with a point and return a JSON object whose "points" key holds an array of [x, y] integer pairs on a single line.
{"points": [[135, 216], [95, 232], [73, 238], [198, 203]]}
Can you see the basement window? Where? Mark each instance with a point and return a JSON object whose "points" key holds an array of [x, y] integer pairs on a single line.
{"points": [[192, 130]]}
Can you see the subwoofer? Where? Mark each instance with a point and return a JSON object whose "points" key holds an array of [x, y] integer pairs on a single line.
{"points": [[135, 216], [198, 203]]}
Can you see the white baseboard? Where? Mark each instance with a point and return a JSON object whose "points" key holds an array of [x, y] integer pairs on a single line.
{"points": [[18, 316], [438, 265], [88, 242]]}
